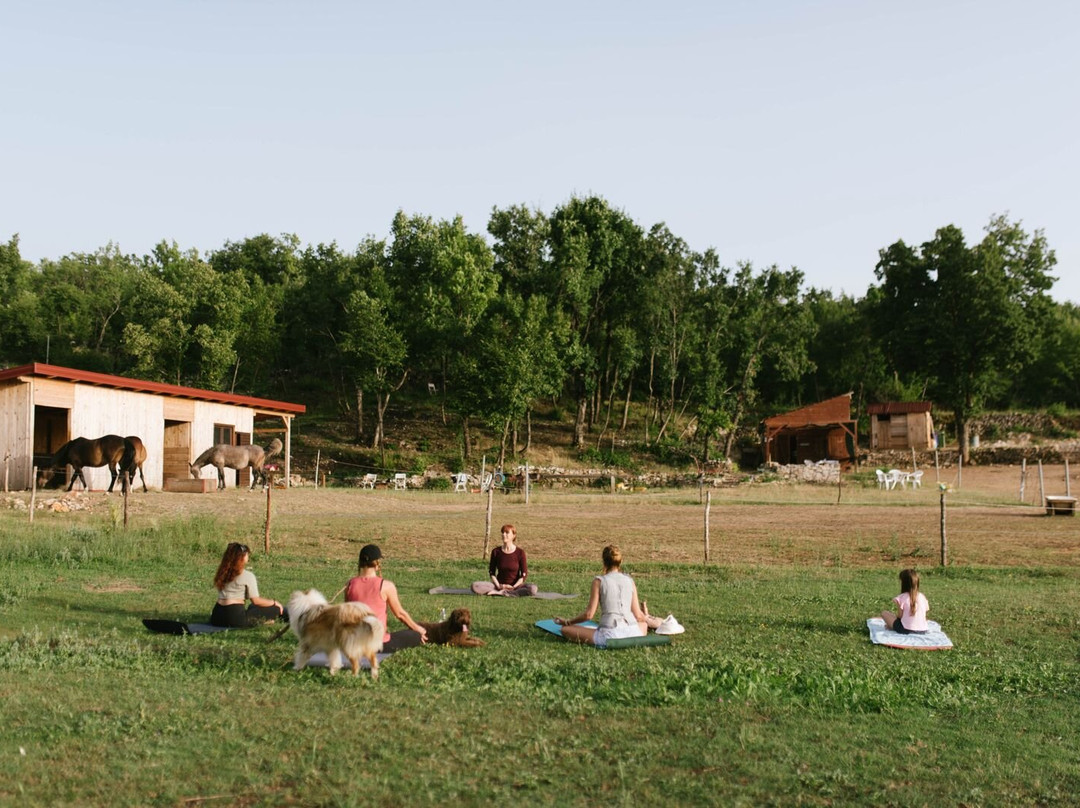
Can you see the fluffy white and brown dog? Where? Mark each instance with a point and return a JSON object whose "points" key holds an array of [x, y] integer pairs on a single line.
{"points": [[349, 629]]}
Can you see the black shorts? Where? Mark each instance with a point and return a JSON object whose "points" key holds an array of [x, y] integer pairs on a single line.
{"points": [[898, 627]]}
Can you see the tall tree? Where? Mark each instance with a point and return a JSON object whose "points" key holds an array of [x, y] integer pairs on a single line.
{"points": [[186, 318], [975, 312], [21, 334], [596, 250]]}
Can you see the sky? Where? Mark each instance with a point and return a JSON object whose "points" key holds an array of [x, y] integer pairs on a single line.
{"points": [[801, 134]]}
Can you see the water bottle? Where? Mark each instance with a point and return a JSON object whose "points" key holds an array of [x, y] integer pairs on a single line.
{"points": [[442, 614]]}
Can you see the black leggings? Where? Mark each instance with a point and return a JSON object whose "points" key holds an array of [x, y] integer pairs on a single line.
{"points": [[236, 616]]}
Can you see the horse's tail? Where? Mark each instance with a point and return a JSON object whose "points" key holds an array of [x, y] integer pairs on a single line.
{"points": [[273, 449]]}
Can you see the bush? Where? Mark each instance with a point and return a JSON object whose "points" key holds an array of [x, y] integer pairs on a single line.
{"points": [[437, 484], [609, 458]]}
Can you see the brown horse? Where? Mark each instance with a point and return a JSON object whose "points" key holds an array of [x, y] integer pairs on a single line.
{"points": [[225, 455], [104, 451], [133, 458]]}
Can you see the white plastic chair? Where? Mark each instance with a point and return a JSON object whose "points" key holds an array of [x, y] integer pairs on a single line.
{"points": [[401, 480], [461, 482], [894, 476], [882, 480], [916, 479], [369, 481], [485, 483]]}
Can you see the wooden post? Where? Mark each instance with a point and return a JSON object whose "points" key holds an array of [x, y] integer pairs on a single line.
{"points": [[944, 541], [7, 458], [937, 468], [914, 465], [959, 471], [33, 491], [127, 487], [1023, 477], [839, 483], [318, 457], [708, 505], [526, 482], [1068, 492], [612, 483], [487, 520], [1042, 486], [483, 468], [266, 534]]}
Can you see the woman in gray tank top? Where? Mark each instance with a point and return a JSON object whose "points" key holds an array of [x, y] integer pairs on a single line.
{"points": [[615, 594]]}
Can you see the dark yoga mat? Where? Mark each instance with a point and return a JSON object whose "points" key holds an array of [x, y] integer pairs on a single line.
{"points": [[449, 590]]}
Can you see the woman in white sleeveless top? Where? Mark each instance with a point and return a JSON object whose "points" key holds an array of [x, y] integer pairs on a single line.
{"points": [[615, 594]]}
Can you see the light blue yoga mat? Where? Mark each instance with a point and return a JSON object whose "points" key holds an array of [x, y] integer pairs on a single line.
{"points": [[933, 640], [552, 627]]}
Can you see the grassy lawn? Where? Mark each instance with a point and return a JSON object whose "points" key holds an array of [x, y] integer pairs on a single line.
{"points": [[773, 696]]}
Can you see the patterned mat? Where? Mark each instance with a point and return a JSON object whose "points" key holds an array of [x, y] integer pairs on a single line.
{"points": [[933, 640]]}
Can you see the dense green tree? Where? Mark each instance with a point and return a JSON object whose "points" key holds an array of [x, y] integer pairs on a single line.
{"points": [[596, 254], [972, 314], [189, 317], [769, 326], [21, 332], [270, 272], [85, 300]]}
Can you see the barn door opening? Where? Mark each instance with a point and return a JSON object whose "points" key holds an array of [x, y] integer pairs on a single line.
{"points": [[176, 452], [243, 476], [52, 429]]}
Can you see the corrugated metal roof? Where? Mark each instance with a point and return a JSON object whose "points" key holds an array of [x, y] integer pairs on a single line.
{"points": [[141, 386], [898, 407]]}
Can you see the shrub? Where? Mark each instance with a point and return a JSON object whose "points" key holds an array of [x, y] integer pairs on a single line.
{"points": [[437, 483]]}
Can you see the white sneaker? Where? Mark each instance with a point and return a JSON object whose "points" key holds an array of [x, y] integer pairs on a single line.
{"points": [[669, 625]]}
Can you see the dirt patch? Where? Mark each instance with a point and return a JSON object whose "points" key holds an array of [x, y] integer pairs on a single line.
{"points": [[760, 523]]}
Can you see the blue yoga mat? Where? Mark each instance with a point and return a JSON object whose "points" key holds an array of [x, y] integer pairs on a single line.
{"points": [[552, 627]]}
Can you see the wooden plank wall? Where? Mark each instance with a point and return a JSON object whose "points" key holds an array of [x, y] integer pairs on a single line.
{"points": [[202, 430], [98, 411], [16, 437]]}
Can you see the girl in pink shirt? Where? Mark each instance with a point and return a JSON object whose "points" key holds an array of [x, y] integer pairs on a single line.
{"points": [[911, 604]]}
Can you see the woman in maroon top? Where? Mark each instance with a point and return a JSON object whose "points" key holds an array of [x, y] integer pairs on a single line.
{"points": [[507, 569]]}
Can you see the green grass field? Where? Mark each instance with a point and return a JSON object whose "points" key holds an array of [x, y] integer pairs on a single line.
{"points": [[773, 696]]}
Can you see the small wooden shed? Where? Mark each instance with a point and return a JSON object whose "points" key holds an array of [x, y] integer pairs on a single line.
{"points": [[822, 431], [44, 406], [901, 425]]}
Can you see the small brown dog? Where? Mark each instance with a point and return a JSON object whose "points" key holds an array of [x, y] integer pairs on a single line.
{"points": [[453, 631]]}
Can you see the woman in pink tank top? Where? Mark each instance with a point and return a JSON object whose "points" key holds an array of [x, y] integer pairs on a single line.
{"points": [[371, 589]]}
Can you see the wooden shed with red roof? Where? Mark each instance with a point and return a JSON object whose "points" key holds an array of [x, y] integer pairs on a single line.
{"points": [[44, 406], [822, 431], [901, 425]]}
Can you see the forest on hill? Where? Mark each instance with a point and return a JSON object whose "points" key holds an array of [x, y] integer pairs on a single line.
{"points": [[581, 312]]}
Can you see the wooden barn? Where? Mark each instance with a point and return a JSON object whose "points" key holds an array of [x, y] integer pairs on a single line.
{"points": [[822, 431], [44, 406], [901, 425]]}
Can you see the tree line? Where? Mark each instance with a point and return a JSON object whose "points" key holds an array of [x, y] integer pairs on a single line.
{"points": [[583, 307]]}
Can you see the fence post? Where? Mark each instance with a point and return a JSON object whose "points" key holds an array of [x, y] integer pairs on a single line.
{"points": [[127, 487], [944, 540], [526, 482], [1042, 485], [1068, 492], [487, 519], [1023, 476], [318, 457], [33, 491], [266, 534], [708, 505]]}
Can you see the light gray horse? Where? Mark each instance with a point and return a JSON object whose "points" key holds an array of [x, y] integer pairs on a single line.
{"points": [[225, 455]]}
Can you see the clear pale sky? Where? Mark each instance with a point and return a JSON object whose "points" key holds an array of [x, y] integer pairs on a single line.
{"points": [[807, 134]]}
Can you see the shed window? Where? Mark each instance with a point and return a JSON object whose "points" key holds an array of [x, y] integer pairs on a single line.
{"points": [[223, 433]]}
